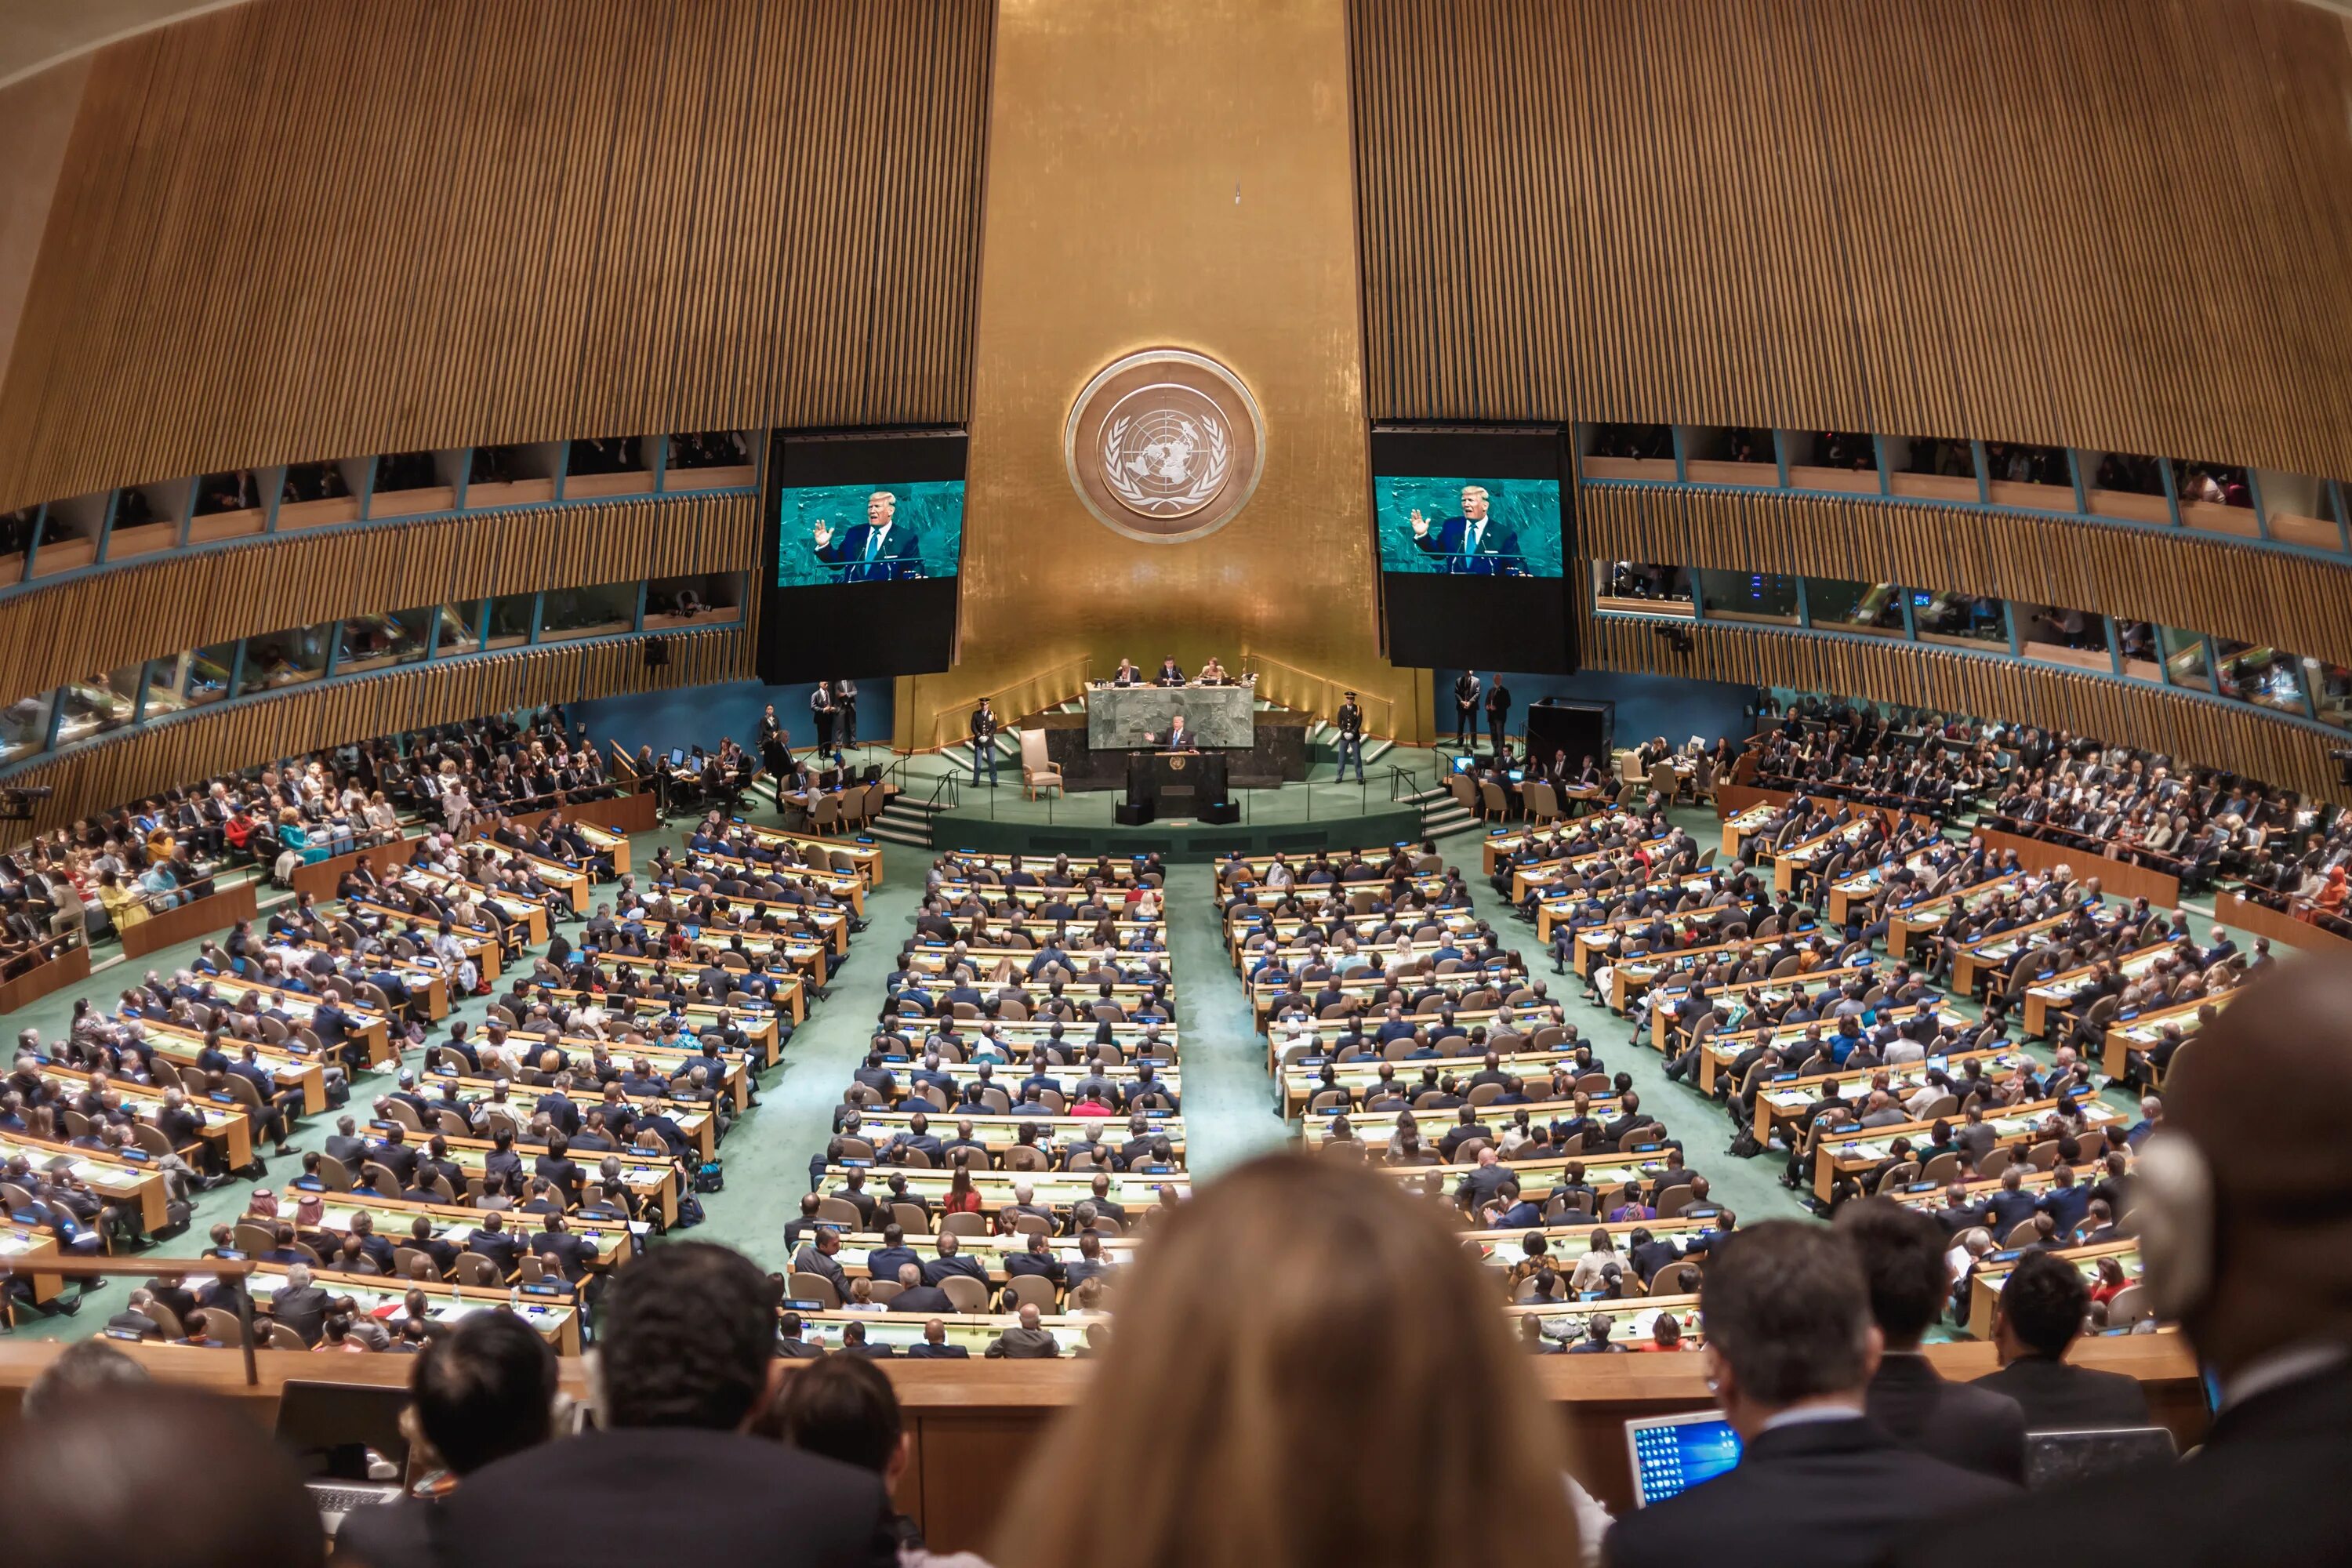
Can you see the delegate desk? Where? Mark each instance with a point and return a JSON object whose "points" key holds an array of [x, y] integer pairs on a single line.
{"points": [[1736, 1002], [1534, 876], [902, 1330], [2131, 1032], [1374, 1127], [1629, 977], [733, 1077], [528, 914], [1001, 1131], [2055, 994], [1744, 822], [426, 983], [1795, 857], [225, 1124], [1235, 871], [988, 1249], [290, 1066], [1992, 1273], [1840, 1155], [1303, 1037], [753, 1016], [965, 865], [1928, 916], [1295, 934], [1126, 1079], [370, 1029], [841, 887], [23, 1250], [1501, 843], [484, 945], [1785, 1099], [1636, 1318], [694, 1119], [1593, 941], [394, 1219], [1980, 960], [1017, 1039], [1301, 1081], [571, 881], [1554, 910], [862, 856], [124, 1179], [995, 965], [1058, 1191], [1605, 1173], [1369, 989], [653, 1177], [554, 1317]]}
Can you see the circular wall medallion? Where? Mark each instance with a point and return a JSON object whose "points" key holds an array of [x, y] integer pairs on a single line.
{"points": [[1164, 445]]}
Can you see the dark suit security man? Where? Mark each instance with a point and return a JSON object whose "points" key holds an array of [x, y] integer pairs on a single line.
{"points": [[1351, 724]]}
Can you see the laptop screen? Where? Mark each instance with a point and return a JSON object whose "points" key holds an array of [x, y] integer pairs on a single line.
{"points": [[1672, 1452], [330, 1426]]}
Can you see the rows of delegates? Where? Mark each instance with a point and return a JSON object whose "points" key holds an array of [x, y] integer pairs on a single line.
{"points": [[1015, 1122]]}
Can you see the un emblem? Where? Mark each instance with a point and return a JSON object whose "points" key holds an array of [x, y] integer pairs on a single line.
{"points": [[1164, 445]]}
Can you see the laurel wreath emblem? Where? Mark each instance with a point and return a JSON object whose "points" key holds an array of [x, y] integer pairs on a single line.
{"points": [[1218, 458]]}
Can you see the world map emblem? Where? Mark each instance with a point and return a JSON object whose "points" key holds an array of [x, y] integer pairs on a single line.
{"points": [[1165, 446]]}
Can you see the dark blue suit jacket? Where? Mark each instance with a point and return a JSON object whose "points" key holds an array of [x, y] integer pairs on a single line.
{"points": [[1499, 548], [899, 558]]}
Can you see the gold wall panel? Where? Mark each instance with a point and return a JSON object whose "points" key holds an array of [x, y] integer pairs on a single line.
{"points": [[2176, 578], [144, 762], [1166, 173], [124, 615], [1923, 217], [301, 229]]}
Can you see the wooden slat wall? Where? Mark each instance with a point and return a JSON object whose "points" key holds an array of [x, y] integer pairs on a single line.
{"points": [[2120, 225], [140, 762], [2200, 732], [299, 229], [121, 616], [2177, 579]]}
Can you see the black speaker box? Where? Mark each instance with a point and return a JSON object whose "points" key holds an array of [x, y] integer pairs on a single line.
{"points": [[1136, 815], [1221, 811]]}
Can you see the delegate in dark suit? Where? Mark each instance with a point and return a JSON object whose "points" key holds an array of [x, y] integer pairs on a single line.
{"points": [[1818, 1494], [1962, 1424], [2058, 1397], [874, 551], [2267, 1487], [1473, 547], [752, 1501]]}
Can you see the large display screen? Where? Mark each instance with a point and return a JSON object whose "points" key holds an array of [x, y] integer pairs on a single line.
{"points": [[1482, 527], [832, 535], [1474, 525], [863, 536]]}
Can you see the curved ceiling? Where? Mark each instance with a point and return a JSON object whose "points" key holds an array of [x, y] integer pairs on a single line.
{"points": [[38, 33]]}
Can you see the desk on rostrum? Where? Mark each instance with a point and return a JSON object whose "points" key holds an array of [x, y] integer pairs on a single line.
{"points": [[1175, 783]]}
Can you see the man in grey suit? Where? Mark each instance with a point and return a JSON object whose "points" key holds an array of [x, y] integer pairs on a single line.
{"points": [[300, 1305], [1027, 1340]]}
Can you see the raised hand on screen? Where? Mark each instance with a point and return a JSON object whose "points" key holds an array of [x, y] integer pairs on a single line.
{"points": [[1419, 524], [822, 533]]}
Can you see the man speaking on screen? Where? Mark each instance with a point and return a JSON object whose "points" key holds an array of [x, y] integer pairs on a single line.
{"points": [[874, 551], [1472, 545]]}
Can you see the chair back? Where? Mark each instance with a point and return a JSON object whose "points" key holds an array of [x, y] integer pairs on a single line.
{"points": [[2129, 1305], [1031, 1290], [968, 1294], [807, 1287]]}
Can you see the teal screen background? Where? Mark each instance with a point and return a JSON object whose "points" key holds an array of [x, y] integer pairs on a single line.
{"points": [[933, 512], [1528, 507]]}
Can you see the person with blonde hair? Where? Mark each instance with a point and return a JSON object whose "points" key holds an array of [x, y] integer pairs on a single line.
{"points": [[1364, 1317]]}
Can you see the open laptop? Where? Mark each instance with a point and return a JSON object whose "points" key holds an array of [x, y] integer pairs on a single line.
{"points": [[331, 1429], [1673, 1453]]}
